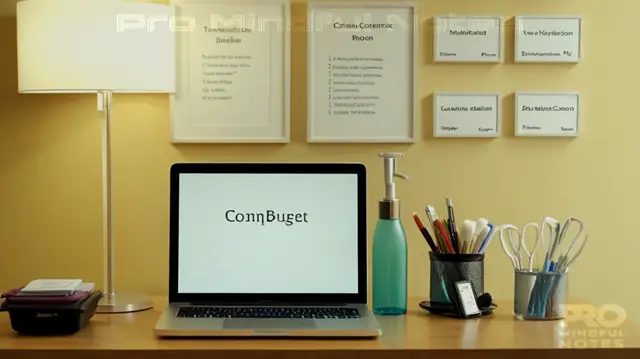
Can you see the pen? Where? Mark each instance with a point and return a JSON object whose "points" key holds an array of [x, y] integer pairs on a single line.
{"points": [[452, 226], [553, 224], [559, 234], [431, 213], [431, 216], [444, 234], [425, 233]]}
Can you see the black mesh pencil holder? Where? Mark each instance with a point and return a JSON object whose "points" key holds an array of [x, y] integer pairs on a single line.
{"points": [[447, 269]]}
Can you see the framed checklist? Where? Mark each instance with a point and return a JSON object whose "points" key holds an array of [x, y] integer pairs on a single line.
{"points": [[468, 39], [547, 114], [232, 74], [362, 72], [466, 115], [548, 39]]}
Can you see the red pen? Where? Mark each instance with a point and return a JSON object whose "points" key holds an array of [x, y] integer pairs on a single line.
{"points": [[445, 235]]}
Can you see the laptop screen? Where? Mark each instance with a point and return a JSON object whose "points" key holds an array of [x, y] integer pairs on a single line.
{"points": [[268, 233]]}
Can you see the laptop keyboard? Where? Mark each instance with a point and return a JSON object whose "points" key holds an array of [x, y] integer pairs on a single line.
{"points": [[268, 312]]}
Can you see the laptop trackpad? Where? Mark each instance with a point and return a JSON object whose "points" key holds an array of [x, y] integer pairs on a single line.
{"points": [[260, 324]]}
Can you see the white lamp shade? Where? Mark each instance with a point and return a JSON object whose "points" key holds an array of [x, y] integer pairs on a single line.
{"points": [[76, 46]]}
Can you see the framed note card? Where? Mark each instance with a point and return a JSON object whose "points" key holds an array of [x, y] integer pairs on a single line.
{"points": [[468, 39], [362, 72], [232, 71], [466, 115], [547, 114], [548, 39]]}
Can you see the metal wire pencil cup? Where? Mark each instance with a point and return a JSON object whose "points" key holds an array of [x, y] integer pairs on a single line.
{"points": [[451, 268], [540, 295]]}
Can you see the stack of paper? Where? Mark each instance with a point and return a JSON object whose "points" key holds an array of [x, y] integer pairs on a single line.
{"points": [[55, 287]]}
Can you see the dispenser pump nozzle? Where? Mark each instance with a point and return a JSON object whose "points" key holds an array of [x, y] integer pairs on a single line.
{"points": [[390, 171]]}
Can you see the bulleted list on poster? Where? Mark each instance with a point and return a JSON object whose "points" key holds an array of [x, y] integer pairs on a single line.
{"points": [[230, 71], [354, 85]]}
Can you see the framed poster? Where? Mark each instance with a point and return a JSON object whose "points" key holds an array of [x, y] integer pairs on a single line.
{"points": [[474, 38], [541, 114], [550, 38], [362, 72], [466, 115], [232, 71]]}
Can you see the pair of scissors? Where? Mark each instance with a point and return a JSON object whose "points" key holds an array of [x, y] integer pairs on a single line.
{"points": [[515, 248], [566, 258]]}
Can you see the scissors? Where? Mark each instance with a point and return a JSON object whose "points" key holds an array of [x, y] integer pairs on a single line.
{"points": [[565, 259], [514, 250]]}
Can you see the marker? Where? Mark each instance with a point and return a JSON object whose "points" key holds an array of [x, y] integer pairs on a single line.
{"points": [[487, 239], [480, 239]]}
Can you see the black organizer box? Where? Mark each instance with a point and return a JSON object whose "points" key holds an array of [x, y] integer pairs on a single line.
{"points": [[51, 318]]}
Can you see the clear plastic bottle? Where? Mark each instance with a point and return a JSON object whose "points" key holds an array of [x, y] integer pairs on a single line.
{"points": [[389, 263]]}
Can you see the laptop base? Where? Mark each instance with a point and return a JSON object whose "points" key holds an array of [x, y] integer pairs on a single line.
{"points": [[169, 325]]}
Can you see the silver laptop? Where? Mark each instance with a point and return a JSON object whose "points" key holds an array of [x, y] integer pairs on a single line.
{"points": [[268, 249]]}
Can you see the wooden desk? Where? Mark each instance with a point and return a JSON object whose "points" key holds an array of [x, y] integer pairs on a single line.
{"points": [[416, 335]]}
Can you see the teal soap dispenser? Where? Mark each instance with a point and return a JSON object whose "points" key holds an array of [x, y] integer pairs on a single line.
{"points": [[390, 248]]}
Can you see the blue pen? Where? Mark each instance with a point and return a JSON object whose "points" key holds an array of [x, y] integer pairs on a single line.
{"points": [[485, 241]]}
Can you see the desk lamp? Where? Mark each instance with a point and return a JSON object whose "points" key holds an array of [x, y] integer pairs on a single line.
{"points": [[100, 47]]}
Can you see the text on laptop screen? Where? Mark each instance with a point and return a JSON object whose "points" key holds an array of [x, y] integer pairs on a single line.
{"points": [[268, 233]]}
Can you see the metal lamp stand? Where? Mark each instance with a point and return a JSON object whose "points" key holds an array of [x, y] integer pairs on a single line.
{"points": [[112, 302]]}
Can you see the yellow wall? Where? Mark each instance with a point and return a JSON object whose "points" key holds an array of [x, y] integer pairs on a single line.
{"points": [[50, 163]]}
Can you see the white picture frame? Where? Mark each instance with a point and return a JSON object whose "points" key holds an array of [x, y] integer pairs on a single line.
{"points": [[243, 120], [565, 50], [442, 22], [456, 128], [567, 126], [398, 125]]}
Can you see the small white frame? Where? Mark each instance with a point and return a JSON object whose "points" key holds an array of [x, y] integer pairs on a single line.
{"points": [[556, 59], [437, 125], [499, 20], [518, 125]]}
